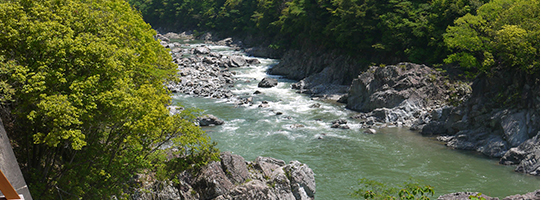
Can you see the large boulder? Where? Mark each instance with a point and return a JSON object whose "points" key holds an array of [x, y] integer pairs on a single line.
{"points": [[212, 181], [302, 180], [201, 50], [235, 166], [209, 120], [267, 83], [526, 156], [237, 61]]}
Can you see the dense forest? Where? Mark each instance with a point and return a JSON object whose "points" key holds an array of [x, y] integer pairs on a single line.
{"points": [[477, 34], [83, 102]]}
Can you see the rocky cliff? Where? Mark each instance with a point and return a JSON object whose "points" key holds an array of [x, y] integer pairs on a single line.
{"points": [[403, 95], [235, 178], [321, 73], [500, 119]]}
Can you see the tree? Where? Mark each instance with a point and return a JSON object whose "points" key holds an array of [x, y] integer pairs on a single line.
{"points": [[84, 83], [503, 33]]}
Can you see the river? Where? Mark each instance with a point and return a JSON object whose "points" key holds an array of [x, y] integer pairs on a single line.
{"points": [[289, 129]]}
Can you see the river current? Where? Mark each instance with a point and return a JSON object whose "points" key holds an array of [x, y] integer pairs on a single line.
{"points": [[290, 129]]}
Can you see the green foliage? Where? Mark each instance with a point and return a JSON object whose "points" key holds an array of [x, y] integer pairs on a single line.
{"points": [[380, 31], [376, 190], [84, 82], [503, 33], [477, 197]]}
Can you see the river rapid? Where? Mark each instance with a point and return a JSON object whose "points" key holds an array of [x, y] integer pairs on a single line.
{"points": [[291, 129]]}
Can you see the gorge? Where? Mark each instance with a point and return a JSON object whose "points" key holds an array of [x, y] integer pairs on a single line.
{"points": [[281, 123]]}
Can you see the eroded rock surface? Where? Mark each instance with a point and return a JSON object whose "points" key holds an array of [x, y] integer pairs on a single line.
{"points": [[401, 94], [234, 178], [500, 119]]}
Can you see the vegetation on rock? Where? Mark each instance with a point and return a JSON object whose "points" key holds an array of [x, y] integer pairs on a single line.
{"points": [[83, 83]]}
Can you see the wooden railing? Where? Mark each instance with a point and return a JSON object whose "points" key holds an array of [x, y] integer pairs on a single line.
{"points": [[7, 189]]}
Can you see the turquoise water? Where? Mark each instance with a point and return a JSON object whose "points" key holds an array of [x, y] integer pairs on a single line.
{"points": [[340, 157]]}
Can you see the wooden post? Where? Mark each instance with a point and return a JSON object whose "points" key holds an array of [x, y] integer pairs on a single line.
{"points": [[6, 188]]}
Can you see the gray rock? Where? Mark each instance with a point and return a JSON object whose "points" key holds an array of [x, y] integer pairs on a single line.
{"points": [[339, 121], [237, 61], [389, 86], [252, 190], [225, 42], [463, 196], [209, 120], [267, 83], [212, 182], [316, 105], [302, 180], [253, 61], [201, 50], [157, 190], [526, 156], [234, 178], [370, 131], [488, 121], [234, 167], [267, 165], [466, 196], [528, 196]]}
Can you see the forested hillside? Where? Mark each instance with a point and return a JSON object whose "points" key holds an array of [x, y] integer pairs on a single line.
{"points": [[377, 31], [83, 102]]}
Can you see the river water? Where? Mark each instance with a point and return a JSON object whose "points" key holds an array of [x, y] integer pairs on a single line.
{"points": [[289, 129]]}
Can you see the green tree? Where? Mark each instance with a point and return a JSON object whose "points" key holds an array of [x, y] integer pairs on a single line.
{"points": [[84, 83], [503, 33]]}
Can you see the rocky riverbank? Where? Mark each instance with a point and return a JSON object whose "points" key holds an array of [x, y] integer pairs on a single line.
{"points": [[469, 195], [202, 72], [235, 178], [500, 119], [497, 115]]}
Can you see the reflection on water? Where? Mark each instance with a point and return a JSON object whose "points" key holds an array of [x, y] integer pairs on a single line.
{"points": [[340, 157]]}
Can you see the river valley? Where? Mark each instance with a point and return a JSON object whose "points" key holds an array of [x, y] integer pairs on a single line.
{"points": [[295, 127]]}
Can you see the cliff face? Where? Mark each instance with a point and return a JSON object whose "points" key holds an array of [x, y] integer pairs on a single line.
{"points": [[500, 119], [321, 72], [403, 95]]}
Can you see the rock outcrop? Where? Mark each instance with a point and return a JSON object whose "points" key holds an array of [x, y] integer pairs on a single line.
{"points": [[401, 94], [500, 119], [234, 178], [321, 74]]}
